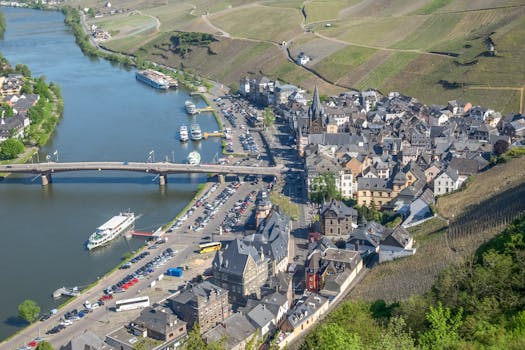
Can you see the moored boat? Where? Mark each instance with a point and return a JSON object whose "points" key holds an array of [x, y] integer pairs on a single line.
{"points": [[194, 158], [153, 78], [190, 107], [183, 133], [110, 230], [196, 133]]}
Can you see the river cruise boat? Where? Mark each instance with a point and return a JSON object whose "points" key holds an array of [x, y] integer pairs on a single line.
{"points": [[194, 158], [153, 78], [111, 230], [191, 108], [196, 133], [183, 133]]}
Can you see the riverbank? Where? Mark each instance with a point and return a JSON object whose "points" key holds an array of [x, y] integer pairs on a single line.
{"points": [[38, 117], [77, 22]]}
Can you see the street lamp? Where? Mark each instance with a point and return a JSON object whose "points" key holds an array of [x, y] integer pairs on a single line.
{"points": [[48, 157], [172, 156], [56, 155], [151, 156]]}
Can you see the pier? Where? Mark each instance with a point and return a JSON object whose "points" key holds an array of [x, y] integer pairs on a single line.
{"points": [[212, 134], [205, 109], [65, 291]]}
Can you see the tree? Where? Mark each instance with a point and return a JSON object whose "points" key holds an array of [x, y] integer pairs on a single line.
{"points": [[23, 69], [332, 336], [11, 148], [8, 111], [500, 147], [45, 345], [269, 117], [28, 310], [443, 330], [324, 188], [194, 341]]}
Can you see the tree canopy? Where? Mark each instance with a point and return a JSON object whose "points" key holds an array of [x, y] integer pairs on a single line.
{"points": [[11, 148], [28, 310], [324, 188], [45, 345]]}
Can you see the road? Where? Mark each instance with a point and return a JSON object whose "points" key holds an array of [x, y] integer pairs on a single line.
{"points": [[102, 320], [148, 167]]}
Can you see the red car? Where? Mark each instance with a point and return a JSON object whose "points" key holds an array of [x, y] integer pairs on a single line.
{"points": [[32, 344]]}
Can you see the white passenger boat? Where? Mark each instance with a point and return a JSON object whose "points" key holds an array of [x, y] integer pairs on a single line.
{"points": [[194, 158], [183, 133], [196, 133], [190, 107], [111, 230]]}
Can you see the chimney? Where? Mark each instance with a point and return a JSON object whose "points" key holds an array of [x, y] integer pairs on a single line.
{"points": [[356, 245]]}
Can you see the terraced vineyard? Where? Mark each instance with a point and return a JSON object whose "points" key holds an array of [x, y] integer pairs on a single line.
{"points": [[435, 50]]}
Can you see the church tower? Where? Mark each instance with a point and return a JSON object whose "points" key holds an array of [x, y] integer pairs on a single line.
{"points": [[316, 115]]}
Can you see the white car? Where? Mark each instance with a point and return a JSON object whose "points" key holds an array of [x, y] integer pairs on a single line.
{"points": [[66, 323]]}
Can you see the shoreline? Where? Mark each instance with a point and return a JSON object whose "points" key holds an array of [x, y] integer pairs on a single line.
{"points": [[35, 149]]}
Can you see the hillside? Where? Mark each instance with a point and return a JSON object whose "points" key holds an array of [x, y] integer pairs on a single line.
{"points": [[490, 202], [435, 50], [476, 304]]}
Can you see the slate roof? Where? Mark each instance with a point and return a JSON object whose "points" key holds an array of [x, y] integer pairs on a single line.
{"points": [[372, 232], [234, 258], [260, 316], [204, 289], [157, 320], [373, 184], [400, 237], [340, 209], [466, 166], [235, 329]]}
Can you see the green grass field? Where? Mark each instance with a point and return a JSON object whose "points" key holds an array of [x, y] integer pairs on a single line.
{"points": [[386, 70], [264, 23], [382, 31], [344, 60], [325, 10]]}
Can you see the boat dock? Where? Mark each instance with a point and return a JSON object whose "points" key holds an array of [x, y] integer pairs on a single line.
{"points": [[212, 134], [142, 234], [205, 109], [157, 234], [65, 291]]}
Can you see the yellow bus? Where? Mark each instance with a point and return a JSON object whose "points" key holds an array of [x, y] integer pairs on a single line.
{"points": [[209, 247]]}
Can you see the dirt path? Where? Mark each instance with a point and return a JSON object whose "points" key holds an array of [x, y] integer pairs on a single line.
{"points": [[214, 27], [157, 21]]}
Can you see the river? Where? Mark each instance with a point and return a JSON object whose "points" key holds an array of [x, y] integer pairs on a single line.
{"points": [[108, 115]]}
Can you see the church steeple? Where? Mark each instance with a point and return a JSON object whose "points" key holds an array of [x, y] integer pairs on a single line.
{"points": [[316, 109]]}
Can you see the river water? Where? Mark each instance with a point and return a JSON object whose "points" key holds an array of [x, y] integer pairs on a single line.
{"points": [[108, 116]]}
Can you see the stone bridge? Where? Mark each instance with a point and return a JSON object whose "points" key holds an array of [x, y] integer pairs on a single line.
{"points": [[162, 169]]}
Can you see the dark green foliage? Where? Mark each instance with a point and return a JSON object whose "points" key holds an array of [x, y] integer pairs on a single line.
{"points": [[8, 111], [388, 218], [23, 69], [3, 24], [183, 41], [28, 310], [45, 345], [324, 189], [269, 117], [11, 148]]}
